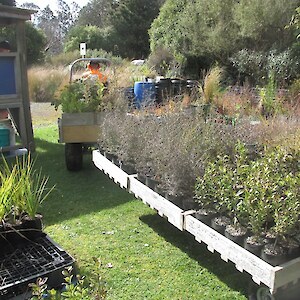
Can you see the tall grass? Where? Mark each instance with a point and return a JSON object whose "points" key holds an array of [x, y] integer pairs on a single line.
{"points": [[43, 82], [211, 85]]}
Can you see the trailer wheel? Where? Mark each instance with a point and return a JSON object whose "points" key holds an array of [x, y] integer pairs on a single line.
{"points": [[73, 156], [263, 293], [260, 293]]}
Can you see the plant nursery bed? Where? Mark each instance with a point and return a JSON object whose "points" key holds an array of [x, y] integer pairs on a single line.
{"points": [[31, 260], [110, 169], [273, 277], [154, 200], [164, 208]]}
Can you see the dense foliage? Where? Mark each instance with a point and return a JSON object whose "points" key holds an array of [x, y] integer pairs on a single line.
{"points": [[214, 31], [35, 41], [249, 39]]}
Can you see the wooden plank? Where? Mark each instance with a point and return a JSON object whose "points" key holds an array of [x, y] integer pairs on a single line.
{"points": [[164, 207], [79, 134], [288, 272], [261, 271], [113, 171], [86, 118]]}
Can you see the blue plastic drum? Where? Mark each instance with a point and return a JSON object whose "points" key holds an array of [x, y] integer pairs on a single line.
{"points": [[144, 93]]}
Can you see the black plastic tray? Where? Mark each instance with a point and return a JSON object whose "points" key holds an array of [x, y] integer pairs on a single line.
{"points": [[39, 258]]}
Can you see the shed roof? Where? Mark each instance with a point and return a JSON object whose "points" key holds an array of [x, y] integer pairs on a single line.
{"points": [[10, 14]]}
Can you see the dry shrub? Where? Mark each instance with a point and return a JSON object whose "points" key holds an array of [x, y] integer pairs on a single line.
{"points": [[275, 131], [44, 82], [238, 101]]}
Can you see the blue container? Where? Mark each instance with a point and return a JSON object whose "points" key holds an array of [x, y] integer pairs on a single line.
{"points": [[4, 137], [7, 76], [144, 93]]}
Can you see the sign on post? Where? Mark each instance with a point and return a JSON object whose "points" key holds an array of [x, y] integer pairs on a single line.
{"points": [[83, 49]]}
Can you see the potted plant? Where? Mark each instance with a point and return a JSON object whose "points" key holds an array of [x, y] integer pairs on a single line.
{"points": [[23, 191]]}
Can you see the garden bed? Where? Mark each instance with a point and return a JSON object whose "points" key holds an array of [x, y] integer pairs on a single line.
{"points": [[274, 277]]}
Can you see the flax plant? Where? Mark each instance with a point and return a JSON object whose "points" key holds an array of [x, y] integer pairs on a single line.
{"points": [[32, 189]]}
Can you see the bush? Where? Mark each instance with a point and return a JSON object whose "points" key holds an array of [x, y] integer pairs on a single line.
{"points": [[262, 193]]}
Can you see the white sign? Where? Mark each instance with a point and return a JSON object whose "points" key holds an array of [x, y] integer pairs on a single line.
{"points": [[82, 49]]}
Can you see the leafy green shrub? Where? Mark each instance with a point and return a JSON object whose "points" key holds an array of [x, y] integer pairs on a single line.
{"points": [[256, 65], [262, 193], [81, 96]]}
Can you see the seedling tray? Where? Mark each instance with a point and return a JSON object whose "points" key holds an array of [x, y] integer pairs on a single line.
{"points": [[41, 258]]}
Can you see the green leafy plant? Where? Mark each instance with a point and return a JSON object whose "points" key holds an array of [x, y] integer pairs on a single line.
{"points": [[81, 96], [75, 286], [262, 194]]}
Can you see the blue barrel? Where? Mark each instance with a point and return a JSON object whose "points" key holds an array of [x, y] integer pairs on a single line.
{"points": [[4, 136], [144, 93]]}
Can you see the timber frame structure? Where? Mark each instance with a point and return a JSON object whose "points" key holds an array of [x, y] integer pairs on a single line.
{"points": [[14, 95]]}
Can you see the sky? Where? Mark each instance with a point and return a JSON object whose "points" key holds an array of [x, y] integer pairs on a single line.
{"points": [[52, 3]]}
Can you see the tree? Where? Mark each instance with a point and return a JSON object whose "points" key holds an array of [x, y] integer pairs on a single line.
{"points": [[262, 23], [96, 13], [93, 36], [49, 24], [209, 31], [131, 20], [35, 41]]}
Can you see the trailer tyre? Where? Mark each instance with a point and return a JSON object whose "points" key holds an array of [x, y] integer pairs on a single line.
{"points": [[73, 156], [263, 293]]}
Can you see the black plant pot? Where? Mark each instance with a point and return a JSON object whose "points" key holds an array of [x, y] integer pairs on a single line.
{"points": [[159, 189], [150, 182], [205, 215], [110, 156], [32, 228], [254, 244], [219, 223], [141, 178], [14, 234], [236, 233], [176, 199], [274, 254], [292, 248], [127, 168], [188, 203]]}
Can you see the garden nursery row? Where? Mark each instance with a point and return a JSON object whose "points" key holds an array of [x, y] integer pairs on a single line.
{"points": [[239, 179]]}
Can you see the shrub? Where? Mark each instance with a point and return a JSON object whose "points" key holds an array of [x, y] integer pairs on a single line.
{"points": [[81, 96], [262, 193]]}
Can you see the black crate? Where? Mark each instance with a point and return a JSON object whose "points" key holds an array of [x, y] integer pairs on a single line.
{"points": [[34, 259]]}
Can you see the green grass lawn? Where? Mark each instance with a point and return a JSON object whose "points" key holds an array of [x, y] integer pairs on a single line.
{"points": [[144, 256]]}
